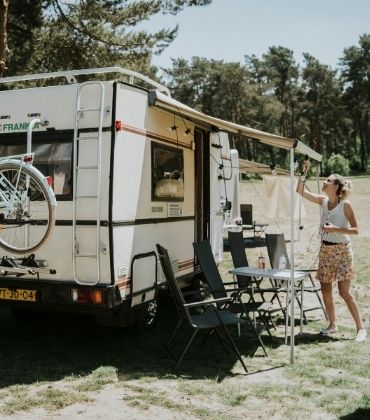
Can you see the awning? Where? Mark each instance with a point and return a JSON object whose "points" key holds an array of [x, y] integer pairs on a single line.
{"points": [[169, 104]]}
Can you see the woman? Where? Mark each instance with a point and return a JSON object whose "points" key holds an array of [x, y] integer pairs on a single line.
{"points": [[338, 222]]}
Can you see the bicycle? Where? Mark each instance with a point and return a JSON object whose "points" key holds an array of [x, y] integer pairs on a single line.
{"points": [[27, 205]]}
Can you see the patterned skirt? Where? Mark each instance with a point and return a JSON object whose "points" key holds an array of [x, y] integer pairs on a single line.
{"points": [[335, 263]]}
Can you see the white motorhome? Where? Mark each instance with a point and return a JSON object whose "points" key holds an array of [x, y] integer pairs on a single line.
{"points": [[131, 167]]}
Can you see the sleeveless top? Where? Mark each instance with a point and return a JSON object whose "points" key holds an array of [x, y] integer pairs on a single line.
{"points": [[337, 217]]}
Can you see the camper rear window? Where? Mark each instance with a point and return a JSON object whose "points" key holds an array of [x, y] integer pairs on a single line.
{"points": [[52, 157], [167, 173]]}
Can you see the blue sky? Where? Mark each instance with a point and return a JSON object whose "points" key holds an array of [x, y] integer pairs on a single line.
{"points": [[230, 29]]}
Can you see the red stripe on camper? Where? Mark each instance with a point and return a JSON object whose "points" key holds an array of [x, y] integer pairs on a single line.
{"points": [[183, 265], [124, 282], [154, 136]]}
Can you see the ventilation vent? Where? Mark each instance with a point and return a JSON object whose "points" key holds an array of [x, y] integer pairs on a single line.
{"points": [[174, 210], [122, 270], [157, 209]]}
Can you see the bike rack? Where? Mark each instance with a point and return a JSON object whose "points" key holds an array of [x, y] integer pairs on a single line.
{"points": [[16, 266]]}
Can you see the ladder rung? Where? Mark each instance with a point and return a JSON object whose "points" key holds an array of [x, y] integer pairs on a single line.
{"points": [[86, 255], [87, 167], [88, 109], [86, 196], [87, 138]]}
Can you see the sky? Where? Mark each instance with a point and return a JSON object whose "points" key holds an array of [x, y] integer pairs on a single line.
{"points": [[230, 29]]}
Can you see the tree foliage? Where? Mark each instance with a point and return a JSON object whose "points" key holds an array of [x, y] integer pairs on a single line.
{"points": [[56, 34], [327, 109], [23, 20], [337, 164], [4, 49], [356, 80]]}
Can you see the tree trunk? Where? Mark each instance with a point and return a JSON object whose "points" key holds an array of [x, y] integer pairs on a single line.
{"points": [[4, 4]]}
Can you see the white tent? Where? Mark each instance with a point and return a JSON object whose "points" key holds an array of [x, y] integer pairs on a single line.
{"points": [[165, 102]]}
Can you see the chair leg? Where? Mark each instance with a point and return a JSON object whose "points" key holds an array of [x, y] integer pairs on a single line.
{"points": [[250, 322], [186, 348], [319, 297], [222, 340], [234, 347], [219, 337], [172, 336], [277, 297], [253, 324], [301, 309], [265, 320]]}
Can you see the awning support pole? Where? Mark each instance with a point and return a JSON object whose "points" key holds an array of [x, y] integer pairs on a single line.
{"points": [[292, 291]]}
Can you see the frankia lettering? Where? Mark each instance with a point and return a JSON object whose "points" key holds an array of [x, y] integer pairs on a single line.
{"points": [[18, 126]]}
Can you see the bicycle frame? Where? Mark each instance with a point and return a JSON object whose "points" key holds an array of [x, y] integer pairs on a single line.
{"points": [[8, 192]]}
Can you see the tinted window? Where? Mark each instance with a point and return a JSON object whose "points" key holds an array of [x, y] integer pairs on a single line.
{"points": [[167, 173], [53, 157]]}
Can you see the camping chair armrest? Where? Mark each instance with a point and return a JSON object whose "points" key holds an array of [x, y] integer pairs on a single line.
{"points": [[207, 302], [306, 270]]}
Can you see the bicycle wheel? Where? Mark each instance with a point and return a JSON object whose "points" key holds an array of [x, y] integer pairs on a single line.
{"points": [[27, 208]]}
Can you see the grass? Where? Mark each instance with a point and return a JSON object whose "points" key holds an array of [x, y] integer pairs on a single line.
{"points": [[50, 399], [67, 363]]}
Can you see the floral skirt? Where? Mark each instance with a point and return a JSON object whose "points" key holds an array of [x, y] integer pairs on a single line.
{"points": [[335, 263]]}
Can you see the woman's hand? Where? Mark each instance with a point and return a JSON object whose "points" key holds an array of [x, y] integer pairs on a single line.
{"points": [[329, 228], [306, 166]]}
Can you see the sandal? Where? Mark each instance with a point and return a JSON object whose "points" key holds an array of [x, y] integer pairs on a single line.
{"points": [[328, 331]]}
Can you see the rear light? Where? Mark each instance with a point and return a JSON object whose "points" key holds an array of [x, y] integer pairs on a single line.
{"points": [[118, 125], [27, 158], [50, 180], [87, 296]]}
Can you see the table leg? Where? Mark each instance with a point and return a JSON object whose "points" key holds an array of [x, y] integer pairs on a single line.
{"points": [[287, 311], [301, 317]]}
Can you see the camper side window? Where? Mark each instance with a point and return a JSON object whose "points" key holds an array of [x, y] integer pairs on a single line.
{"points": [[52, 159], [167, 173]]}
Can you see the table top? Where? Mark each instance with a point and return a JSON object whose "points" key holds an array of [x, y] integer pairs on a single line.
{"points": [[268, 272]]}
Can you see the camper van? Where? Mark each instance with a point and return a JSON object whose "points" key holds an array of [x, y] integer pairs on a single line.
{"points": [[130, 167]]}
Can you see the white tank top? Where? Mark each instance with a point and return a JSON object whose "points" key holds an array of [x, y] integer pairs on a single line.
{"points": [[337, 217]]}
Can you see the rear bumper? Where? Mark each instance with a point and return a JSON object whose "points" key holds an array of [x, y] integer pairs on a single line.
{"points": [[58, 296]]}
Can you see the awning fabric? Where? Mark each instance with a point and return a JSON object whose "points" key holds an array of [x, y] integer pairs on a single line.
{"points": [[163, 101]]}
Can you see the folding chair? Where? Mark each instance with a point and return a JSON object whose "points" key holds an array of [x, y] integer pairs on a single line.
{"points": [[239, 258], [246, 214], [217, 289], [209, 316], [275, 248]]}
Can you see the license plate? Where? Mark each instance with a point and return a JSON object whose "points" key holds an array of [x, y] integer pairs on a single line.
{"points": [[24, 295]]}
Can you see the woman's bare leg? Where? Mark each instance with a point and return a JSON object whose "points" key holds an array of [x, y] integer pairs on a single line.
{"points": [[345, 293], [327, 294]]}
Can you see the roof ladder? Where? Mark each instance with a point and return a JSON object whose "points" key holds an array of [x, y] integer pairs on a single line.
{"points": [[93, 169]]}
